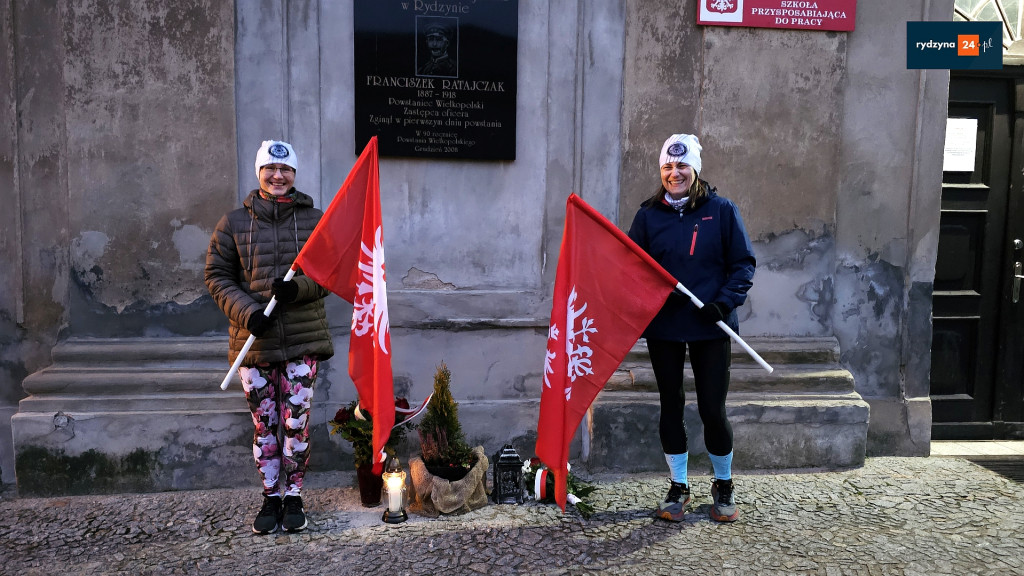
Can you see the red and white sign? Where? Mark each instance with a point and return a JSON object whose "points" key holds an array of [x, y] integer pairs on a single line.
{"points": [[797, 14]]}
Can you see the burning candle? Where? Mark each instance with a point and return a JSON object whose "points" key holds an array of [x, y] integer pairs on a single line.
{"points": [[394, 484]]}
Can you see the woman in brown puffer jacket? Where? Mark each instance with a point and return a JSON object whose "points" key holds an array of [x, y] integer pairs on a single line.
{"points": [[250, 252]]}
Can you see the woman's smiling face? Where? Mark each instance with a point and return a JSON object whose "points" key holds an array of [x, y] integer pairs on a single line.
{"points": [[677, 177], [277, 179]]}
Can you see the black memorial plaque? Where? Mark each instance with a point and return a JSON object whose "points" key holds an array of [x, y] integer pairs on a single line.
{"points": [[437, 78]]}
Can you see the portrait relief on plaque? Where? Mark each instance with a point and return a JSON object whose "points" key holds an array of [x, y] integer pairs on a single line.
{"points": [[437, 47]]}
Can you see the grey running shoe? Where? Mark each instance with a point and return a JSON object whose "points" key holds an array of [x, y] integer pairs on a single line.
{"points": [[294, 518], [674, 507], [269, 516], [723, 507]]}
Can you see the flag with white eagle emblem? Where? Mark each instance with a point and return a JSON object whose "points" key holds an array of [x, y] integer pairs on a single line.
{"points": [[607, 290], [345, 254]]}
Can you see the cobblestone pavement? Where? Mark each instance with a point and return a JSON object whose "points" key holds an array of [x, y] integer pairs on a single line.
{"points": [[912, 516]]}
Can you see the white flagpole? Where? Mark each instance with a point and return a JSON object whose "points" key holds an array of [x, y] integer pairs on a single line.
{"points": [[248, 343], [732, 334]]}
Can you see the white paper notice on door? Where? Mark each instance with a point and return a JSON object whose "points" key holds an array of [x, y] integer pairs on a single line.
{"points": [[961, 145]]}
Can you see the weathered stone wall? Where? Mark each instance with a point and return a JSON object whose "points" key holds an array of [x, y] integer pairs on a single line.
{"points": [[128, 127], [471, 246], [887, 221], [35, 243], [149, 88], [12, 368], [117, 159], [767, 106], [831, 149], [160, 109]]}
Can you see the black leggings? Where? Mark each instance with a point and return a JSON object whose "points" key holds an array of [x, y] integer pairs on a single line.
{"points": [[710, 360]]}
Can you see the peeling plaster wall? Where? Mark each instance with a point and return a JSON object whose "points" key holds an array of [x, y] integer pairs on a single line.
{"points": [[117, 158], [128, 152], [12, 331], [12, 310], [774, 153], [129, 127], [148, 89], [661, 92], [772, 145], [33, 310], [831, 148], [769, 146], [887, 223]]}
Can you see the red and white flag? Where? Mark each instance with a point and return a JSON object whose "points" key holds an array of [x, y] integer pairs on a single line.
{"points": [[345, 254], [607, 290]]}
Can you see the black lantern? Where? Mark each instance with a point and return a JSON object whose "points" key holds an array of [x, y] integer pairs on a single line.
{"points": [[508, 476]]}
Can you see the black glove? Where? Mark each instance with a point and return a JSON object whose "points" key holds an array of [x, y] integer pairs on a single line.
{"points": [[285, 290], [712, 312], [258, 324]]}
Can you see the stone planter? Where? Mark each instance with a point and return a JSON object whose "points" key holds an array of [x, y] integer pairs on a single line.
{"points": [[433, 495]]}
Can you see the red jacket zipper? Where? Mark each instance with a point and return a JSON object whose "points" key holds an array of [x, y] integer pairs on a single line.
{"points": [[694, 242]]}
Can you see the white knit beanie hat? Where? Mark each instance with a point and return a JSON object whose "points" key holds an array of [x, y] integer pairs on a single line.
{"points": [[275, 152], [683, 148]]}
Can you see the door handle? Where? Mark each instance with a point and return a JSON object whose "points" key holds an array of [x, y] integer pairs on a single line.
{"points": [[1017, 277]]}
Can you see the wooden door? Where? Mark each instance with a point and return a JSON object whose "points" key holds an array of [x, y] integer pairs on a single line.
{"points": [[1009, 390], [969, 266]]}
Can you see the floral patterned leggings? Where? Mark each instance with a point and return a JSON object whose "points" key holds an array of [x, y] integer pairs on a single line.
{"points": [[280, 392]]}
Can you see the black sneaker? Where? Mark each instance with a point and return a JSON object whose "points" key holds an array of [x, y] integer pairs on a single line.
{"points": [[294, 518], [674, 506], [723, 507], [269, 516]]}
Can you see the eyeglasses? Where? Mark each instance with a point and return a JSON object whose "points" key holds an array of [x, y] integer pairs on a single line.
{"points": [[284, 169]]}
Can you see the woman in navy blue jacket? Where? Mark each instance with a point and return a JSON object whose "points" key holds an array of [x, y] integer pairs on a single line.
{"points": [[699, 237]]}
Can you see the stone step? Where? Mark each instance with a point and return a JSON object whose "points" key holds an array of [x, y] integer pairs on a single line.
{"points": [[133, 414], [770, 431], [774, 350], [806, 413], [799, 364], [139, 351], [127, 371], [158, 400], [176, 402], [124, 380], [750, 377]]}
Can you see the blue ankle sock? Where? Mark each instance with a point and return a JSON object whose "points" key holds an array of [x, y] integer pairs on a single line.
{"points": [[677, 466], [722, 466]]}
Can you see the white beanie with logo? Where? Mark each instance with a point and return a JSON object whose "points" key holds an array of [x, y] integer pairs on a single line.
{"points": [[683, 148], [275, 152]]}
